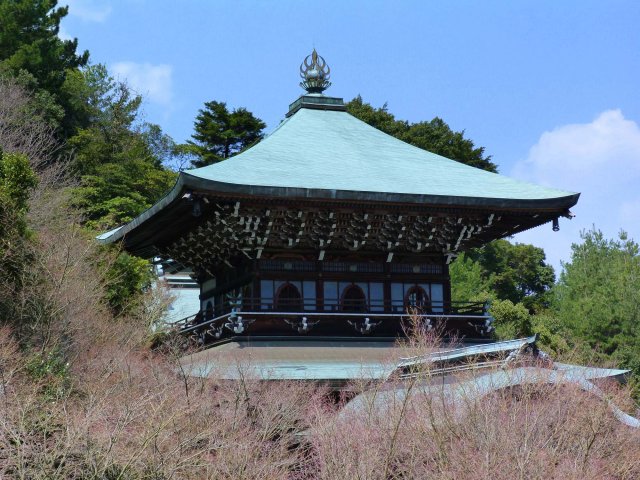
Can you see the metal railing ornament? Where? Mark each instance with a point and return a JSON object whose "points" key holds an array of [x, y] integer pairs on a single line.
{"points": [[303, 325], [364, 327]]}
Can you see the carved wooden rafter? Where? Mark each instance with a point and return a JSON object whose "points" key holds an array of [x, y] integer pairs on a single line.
{"points": [[233, 229]]}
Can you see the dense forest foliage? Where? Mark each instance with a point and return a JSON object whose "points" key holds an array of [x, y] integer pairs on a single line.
{"points": [[75, 318]]}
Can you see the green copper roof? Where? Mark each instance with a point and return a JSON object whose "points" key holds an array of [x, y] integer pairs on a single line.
{"points": [[334, 151]]}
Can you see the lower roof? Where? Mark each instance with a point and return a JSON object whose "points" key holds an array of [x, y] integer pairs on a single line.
{"points": [[322, 360], [330, 360]]}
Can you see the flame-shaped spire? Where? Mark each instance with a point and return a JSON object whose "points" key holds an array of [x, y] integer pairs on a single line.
{"points": [[315, 73]]}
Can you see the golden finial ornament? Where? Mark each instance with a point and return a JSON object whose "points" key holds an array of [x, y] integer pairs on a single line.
{"points": [[315, 73]]}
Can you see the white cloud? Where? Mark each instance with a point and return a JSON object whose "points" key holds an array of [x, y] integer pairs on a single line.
{"points": [[153, 82], [601, 160], [88, 10]]}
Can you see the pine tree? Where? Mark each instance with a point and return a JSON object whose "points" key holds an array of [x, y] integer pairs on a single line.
{"points": [[220, 133]]}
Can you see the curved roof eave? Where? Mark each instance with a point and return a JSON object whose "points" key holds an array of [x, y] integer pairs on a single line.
{"points": [[566, 201], [118, 233], [187, 181]]}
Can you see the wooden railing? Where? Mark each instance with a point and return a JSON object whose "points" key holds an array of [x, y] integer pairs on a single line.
{"points": [[328, 305], [312, 311]]}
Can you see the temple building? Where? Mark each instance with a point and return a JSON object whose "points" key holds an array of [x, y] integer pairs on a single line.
{"points": [[331, 229]]}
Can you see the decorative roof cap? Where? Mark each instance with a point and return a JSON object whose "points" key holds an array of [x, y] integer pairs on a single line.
{"points": [[315, 73]]}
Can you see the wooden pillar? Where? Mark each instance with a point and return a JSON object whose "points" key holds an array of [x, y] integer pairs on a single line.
{"points": [[319, 287], [446, 287], [387, 288]]}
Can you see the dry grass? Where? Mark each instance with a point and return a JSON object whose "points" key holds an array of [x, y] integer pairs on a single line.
{"points": [[539, 431], [125, 412], [22, 129]]}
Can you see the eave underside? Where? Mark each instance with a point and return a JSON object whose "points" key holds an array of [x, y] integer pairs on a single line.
{"points": [[229, 226]]}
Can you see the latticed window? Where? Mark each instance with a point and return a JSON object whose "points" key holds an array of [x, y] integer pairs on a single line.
{"points": [[422, 269], [288, 299], [353, 299], [417, 298]]}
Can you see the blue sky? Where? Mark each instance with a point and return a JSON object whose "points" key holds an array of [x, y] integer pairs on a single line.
{"points": [[549, 88]]}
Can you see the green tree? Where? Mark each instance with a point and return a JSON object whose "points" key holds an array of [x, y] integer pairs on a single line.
{"points": [[555, 338], [469, 281], [516, 272], [16, 182], [110, 110], [511, 320], [379, 118], [515, 321], [435, 136], [120, 162], [597, 295], [30, 49], [92, 95], [220, 133], [119, 191], [127, 277]]}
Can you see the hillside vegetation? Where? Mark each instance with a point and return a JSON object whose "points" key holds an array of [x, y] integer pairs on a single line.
{"points": [[84, 395]]}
